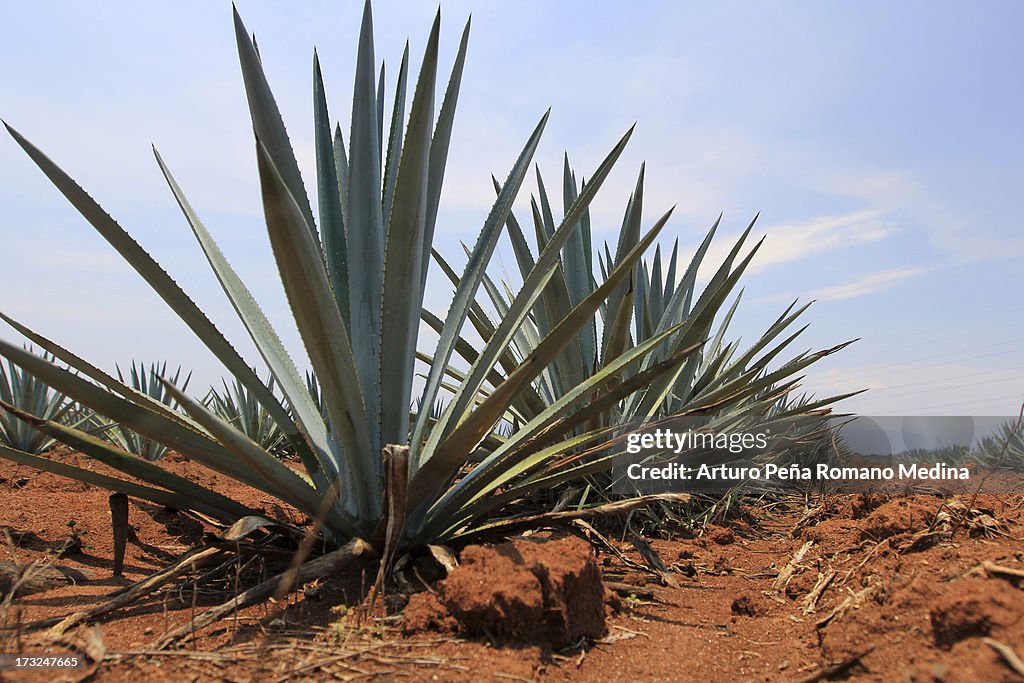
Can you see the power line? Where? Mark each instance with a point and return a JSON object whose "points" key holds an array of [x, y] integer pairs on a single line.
{"points": [[946, 355], [953, 386], [998, 312], [970, 405], [946, 379]]}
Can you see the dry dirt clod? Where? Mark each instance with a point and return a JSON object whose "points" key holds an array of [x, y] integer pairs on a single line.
{"points": [[749, 605], [546, 593], [722, 536]]}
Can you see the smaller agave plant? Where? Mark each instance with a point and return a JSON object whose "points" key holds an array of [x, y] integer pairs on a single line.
{"points": [[148, 381], [24, 392], [237, 406]]}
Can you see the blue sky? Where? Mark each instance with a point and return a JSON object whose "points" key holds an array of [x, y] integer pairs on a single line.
{"points": [[881, 143]]}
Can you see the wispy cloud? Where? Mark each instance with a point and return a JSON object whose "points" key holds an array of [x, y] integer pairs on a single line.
{"points": [[787, 243], [868, 284]]}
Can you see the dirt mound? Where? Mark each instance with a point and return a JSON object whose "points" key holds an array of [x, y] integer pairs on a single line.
{"points": [[547, 593], [900, 516], [840, 532], [871, 517]]}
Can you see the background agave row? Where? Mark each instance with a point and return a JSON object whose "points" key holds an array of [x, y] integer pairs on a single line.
{"points": [[567, 365], [24, 391]]}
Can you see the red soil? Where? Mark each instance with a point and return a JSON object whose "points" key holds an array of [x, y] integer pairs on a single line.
{"points": [[914, 588]]}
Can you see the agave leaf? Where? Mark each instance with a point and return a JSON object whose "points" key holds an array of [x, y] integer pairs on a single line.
{"points": [[578, 273], [155, 276], [655, 291], [341, 165], [604, 386], [710, 368], [553, 476], [20, 388], [146, 422], [784, 321], [679, 304], [158, 496], [501, 305], [470, 282], [439, 147], [568, 368], [508, 526], [441, 524], [640, 314], [532, 287], [716, 343], [477, 317], [546, 226], [524, 259], [689, 281], [313, 443], [247, 526], [286, 483], [95, 373], [324, 334], [619, 309], [132, 465], [458, 377], [578, 317], [470, 354], [332, 216], [267, 123], [604, 401], [815, 405], [365, 225], [616, 338], [395, 136], [467, 397], [696, 329], [746, 385], [670, 276], [402, 301], [476, 424], [144, 381], [734, 371], [236, 406], [705, 310], [714, 293], [503, 464], [381, 96], [712, 364]]}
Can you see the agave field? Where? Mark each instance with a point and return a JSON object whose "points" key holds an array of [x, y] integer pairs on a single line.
{"points": [[437, 484]]}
